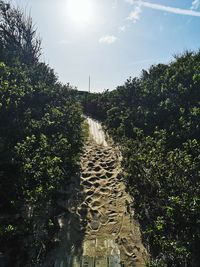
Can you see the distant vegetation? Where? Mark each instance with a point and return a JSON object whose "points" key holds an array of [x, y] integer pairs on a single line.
{"points": [[40, 141], [156, 120]]}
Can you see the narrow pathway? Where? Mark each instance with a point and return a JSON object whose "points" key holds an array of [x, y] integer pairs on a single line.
{"points": [[112, 237], [100, 231]]}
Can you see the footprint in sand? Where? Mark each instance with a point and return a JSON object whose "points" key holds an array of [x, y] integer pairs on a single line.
{"points": [[86, 183], [109, 174], [85, 174], [89, 192], [97, 184], [92, 179], [97, 168], [104, 190], [88, 199], [94, 225]]}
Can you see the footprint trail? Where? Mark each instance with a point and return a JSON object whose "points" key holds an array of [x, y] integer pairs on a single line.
{"points": [[97, 229]]}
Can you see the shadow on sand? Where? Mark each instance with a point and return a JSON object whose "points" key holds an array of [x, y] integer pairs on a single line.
{"points": [[72, 222]]}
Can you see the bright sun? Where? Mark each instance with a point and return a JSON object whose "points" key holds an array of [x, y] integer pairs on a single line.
{"points": [[80, 12]]}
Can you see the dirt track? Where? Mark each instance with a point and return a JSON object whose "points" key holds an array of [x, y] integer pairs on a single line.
{"points": [[99, 230]]}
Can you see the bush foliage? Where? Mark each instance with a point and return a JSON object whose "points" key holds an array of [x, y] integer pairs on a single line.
{"points": [[156, 120], [40, 141]]}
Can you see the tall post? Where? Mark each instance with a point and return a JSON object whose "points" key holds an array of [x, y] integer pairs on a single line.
{"points": [[89, 84]]}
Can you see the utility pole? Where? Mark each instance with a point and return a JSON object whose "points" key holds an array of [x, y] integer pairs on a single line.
{"points": [[89, 84]]}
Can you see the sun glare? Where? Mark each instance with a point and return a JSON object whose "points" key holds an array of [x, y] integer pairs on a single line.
{"points": [[80, 12]]}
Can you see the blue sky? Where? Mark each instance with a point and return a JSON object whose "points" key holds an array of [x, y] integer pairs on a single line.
{"points": [[112, 39]]}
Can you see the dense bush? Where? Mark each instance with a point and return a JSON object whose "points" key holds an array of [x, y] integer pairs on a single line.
{"points": [[40, 141], [166, 188], [156, 119]]}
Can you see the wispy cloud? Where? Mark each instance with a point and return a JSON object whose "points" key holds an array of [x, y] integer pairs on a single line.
{"points": [[174, 10], [169, 9], [195, 4], [135, 14], [108, 39]]}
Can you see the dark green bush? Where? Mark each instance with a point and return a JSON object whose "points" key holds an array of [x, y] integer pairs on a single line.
{"points": [[156, 120], [40, 141]]}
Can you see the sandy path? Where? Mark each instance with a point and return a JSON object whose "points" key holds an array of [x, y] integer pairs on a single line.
{"points": [[112, 237], [97, 132], [98, 230]]}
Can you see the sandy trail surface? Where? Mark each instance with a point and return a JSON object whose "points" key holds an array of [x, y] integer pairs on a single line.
{"points": [[98, 230], [96, 132]]}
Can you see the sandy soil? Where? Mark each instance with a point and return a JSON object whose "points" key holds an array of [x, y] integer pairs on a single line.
{"points": [[96, 132], [99, 230]]}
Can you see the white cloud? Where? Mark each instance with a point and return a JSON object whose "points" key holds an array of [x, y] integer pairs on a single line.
{"points": [[195, 4], [108, 39], [135, 14], [174, 10], [169, 9]]}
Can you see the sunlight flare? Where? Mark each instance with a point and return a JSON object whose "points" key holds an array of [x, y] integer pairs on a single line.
{"points": [[80, 12]]}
